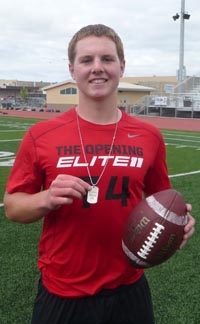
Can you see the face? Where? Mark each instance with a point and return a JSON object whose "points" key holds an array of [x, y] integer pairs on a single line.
{"points": [[96, 68]]}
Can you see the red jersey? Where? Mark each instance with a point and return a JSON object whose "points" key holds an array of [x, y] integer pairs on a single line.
{"points": [[80, 249]]}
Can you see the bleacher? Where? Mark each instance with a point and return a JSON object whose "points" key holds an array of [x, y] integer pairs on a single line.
{"points": [[183, 105]]}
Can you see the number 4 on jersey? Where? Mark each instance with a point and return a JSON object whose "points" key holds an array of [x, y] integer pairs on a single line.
{"points": [[111, 194], [123, 195]]}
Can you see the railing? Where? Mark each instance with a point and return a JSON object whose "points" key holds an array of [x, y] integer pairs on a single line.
{"points": [[186, 105], [189, 85]]}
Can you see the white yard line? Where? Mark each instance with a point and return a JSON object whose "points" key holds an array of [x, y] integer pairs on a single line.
{"points": [[184, 174], [12, 140]]}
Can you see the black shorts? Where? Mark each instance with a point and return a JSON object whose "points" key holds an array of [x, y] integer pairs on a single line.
{"points": [[128, 304]]}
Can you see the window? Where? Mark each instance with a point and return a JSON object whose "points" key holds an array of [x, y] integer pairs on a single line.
{"points": [[68, 91]]}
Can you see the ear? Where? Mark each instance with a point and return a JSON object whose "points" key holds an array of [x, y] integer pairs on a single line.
{"points": [[122, 68], [71, 70]]}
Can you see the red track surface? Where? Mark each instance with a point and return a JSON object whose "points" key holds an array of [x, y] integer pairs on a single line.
{"points": [[162, 123], [173, 123]]}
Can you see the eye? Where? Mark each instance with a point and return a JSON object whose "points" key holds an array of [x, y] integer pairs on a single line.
{"points": [[86, 60], [108, 58]]}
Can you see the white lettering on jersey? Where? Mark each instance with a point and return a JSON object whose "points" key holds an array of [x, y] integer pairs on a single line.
{"points": [[116, 161], [136, 162]]}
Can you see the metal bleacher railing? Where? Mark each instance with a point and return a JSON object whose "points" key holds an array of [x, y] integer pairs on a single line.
{"points": [[182, 105]]}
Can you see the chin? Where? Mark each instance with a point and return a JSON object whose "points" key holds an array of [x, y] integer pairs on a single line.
{"points": [[98, 96]]}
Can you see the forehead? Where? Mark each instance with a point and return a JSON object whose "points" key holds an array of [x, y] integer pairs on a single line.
{"points": [[95, 45]]}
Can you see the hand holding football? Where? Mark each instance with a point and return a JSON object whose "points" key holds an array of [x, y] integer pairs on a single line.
{"points": [[154, 229]]}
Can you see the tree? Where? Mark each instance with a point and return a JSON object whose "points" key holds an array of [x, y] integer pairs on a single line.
{"points": [[24, 93]]}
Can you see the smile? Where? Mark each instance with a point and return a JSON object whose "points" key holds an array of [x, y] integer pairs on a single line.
{"points": [[98, 81]]}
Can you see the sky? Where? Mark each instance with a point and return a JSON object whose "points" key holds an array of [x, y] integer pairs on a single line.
{"points": [[34, 36]]}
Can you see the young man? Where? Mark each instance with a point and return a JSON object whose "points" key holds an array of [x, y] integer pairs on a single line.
{"points": [[83, 172]]}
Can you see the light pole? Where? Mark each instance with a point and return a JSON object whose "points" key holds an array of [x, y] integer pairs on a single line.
{"points": [[182, 70]]}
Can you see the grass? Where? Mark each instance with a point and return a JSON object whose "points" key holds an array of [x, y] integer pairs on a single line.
{"points": [[175, 285], [18, 257]]}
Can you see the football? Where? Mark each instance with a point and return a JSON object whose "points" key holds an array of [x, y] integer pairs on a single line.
{"points": [[154, 229]]}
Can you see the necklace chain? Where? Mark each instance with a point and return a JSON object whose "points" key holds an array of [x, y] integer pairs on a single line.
{"points": [[83, 150]]}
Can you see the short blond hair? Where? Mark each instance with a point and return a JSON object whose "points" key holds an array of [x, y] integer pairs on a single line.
{"points": [[97, 30]]}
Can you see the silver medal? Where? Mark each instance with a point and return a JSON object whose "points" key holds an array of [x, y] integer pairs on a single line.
{"points": [[92, 195]]}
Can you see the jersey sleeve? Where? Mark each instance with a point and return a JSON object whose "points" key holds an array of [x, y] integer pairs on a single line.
{"points": [[157, 178], [26, 174]]}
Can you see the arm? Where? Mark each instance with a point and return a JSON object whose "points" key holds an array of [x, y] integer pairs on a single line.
{"points": [[27, 208]]}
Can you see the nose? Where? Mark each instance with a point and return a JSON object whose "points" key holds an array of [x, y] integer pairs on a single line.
{"points": [[97, 66]]}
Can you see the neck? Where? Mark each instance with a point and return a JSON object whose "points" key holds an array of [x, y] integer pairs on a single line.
{"points": [[99, 112]]}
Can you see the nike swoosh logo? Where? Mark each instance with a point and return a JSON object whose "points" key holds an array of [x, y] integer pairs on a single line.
{"points": [[132, 136]]}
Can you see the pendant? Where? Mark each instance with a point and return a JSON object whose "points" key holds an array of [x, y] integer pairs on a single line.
{"points": [[92, 195]]}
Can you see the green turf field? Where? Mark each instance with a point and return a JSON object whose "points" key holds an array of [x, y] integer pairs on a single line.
{"points": [[175, 284]]}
